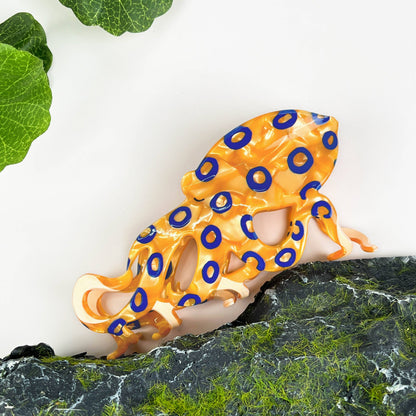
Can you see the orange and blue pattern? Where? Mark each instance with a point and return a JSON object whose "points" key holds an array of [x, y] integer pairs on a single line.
{"points": [[275, 161]]}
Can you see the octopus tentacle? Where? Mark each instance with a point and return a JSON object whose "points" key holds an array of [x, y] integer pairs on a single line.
{"points": [[123, 343], [360, 239], [323, 211]]}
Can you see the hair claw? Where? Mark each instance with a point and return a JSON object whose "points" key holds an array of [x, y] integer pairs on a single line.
{"points": [[278, 160]]}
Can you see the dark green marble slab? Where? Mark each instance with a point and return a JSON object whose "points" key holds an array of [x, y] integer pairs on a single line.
{"points": [[321, 339]]}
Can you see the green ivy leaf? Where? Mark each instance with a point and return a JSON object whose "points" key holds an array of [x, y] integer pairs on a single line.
{"points": [[118, 16], [25, 99], [25, 33]]}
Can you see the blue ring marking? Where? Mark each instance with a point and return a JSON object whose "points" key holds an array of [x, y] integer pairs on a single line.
{"points": [[259, 187], [327, 137], [311, 185], [335, 162], [206, 177], [289, 123], [319, 119], [134, 325], [216, 271], [128, 263], [240, 144], [225, 207], [139, 268], [204, 235], [298, 236], [306, 166], [144, 302], [111, 329], [149, 237], [150, 271], [319, 204], [243, 223], [169, 272], [189, 296], [261, 265], [185, 221], [286, 263]]}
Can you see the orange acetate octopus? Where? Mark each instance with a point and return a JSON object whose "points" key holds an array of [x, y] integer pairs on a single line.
{"points": [[275, 161]]}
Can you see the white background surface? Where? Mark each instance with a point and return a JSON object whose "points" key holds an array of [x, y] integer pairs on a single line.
{"points": [[131, 115]]}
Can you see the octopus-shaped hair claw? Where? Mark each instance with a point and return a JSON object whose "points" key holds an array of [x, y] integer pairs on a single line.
{"points": [[278, 160]]}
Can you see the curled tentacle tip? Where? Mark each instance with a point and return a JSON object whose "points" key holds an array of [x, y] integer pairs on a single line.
{"points": [[336, 255], [370, 248], [156, 336], [229, 302], [113, 356]]}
